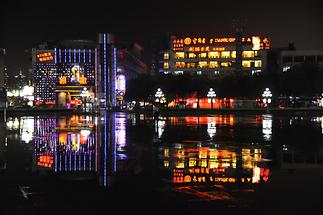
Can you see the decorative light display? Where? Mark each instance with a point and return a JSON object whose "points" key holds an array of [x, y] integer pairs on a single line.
{"points": [[266, 97], [72, 67], [160, 97], [211, 95]]}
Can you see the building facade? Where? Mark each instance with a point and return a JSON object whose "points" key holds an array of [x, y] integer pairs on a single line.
{"points": [[64, 75], [88, 74], [291, 58], [214, 55]]}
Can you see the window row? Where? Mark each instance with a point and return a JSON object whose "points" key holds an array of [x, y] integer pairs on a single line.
{"points": [[213, 64], [212, 54]]}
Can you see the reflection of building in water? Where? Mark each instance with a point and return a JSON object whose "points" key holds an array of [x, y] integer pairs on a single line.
{"points": [[160, 127], [207, 165], [65, 144], [120, 131], [267, 123], [211, 129], [218, 120], [25, 125]]}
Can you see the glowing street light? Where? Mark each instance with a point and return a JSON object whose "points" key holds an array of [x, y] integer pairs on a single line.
{"points": [[160, 97], [266, 97], [211, 96]]}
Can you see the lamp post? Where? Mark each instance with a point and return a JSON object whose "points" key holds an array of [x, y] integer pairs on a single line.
{"points": [[159, 95], [266, 97], [211, 95]]}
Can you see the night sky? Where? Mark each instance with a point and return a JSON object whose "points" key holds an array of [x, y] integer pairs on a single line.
{"points": [[26, 23]]}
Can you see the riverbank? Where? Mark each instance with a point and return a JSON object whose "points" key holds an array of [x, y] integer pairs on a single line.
{"points": [[167, 112]]}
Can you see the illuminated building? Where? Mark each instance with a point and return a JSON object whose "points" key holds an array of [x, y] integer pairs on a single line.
{"points": [[213, 55], [85, 73], [63, 70], [291, 58]]}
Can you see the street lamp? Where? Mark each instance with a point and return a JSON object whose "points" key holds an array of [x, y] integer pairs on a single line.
{"points": [[266, 97], [211, 95], [159, 95]]}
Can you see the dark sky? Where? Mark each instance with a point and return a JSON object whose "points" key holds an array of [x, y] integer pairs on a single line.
{"points": [[26, 23]]}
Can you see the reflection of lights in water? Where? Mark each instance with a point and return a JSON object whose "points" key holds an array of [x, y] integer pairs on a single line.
{"points": [[85, 133], [120, 132], [211, 129], [75, 142], [27, 128], [267, 123], [13, 124], [160, 127], [178, 146], [256, 175]]}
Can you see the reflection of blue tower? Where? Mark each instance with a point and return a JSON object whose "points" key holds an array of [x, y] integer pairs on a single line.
{"points": [[108, 168], [108, 62]]}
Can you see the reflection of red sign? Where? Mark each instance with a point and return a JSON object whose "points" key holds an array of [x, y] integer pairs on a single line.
{"points": [[47, 56], [45, 161], [205, 175]]}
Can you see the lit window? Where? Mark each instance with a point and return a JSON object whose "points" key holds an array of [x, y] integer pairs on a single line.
{"points": [[214, 54], [225, 54], [248, 54], [179, 55], [190, 65], [225, 64], [180, 65], [246, 63], [233, 54], [202, 55], [166, 56], [258, 63], [213, 64], [191, 55], [202, 64], [166, 66]]}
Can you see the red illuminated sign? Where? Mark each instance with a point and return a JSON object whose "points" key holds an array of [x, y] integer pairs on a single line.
{"points": [[46, 56], [45, 161]]}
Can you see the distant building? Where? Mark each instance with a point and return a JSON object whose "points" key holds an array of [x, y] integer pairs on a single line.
{"points": [[214, 55], [2, 67], [290, 58], [129, 66], [3, 92]]}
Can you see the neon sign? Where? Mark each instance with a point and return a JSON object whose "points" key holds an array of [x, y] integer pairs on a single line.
{"points": [[47, 56], [45, 161], [257, 42]]}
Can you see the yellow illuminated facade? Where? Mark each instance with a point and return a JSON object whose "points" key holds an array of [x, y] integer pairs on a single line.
{"points": [[214, 55]]}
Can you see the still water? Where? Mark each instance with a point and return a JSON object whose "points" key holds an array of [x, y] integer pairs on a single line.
{"points": [[269, 164]]}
